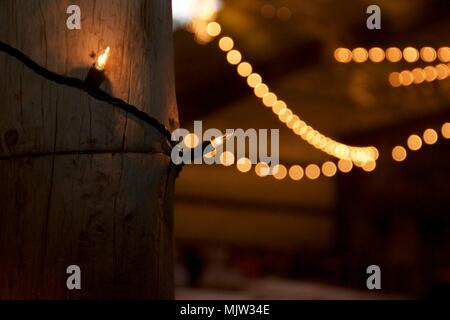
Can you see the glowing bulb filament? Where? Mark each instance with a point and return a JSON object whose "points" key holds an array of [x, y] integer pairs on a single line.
{"points": [[102, 59]]}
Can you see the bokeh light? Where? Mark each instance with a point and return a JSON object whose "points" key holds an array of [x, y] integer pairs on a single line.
{"points": [[393, 54], [376, 55], [360, 55], [279, 172], [244, 69], [445, 130], [262, 169], [269, 99], [184, 11], [244, 165], [411, 54], [329, 169], [444, 54], [191, 140], [227, 158], [312, 171], [343, 55], [345, 165], [414, 142], [213, 29], [254, 80], [430, 136], [399, 153], [428, 54], [234, 57], [226, 44], [296, 172]]}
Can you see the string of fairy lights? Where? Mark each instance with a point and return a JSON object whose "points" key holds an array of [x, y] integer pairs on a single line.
{"points": [[405, 78], [392, 54], [329, 169], [366, 156], [348, 156], [419, 75]]}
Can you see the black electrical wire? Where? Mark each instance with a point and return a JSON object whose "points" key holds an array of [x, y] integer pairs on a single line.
{"points": [[95, 92]]}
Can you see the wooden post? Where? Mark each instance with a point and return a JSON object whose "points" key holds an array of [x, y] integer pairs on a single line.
{"points": [[82, 182]]}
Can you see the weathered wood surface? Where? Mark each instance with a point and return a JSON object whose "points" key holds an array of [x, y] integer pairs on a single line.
{"points": [[82, 182]]}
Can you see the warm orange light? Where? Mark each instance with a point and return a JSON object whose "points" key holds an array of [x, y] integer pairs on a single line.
{"points": [[244, 165], [262, 169], [102, 59], [393, 54], [227, 158], [444, 54], [446, 130], [279, 172], [418, 75], [360, 55], [343, 55], [411, 54], [430, 136], [191, 140], [414, 142], [284, 13], [282, 112], [369, 166], [443, 71], [268, 11], [329, 169], [428, 54], [296, 173], [310, 135], [285, 115], [213, 29], [376, 55], [399, 153], [312, 171], [244, 69], [395, 79], [226, 44], [234, 57], [261, 90], [406, 77], [345, 165], [278, 107], [221, 140], [269, 99], [302, 132], [430, 73], [254, 80], [301, 128], [288, 118]]}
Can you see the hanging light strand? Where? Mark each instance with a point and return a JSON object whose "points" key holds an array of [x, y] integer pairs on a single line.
{"points": [[392, 55], [415, 141], [330, 169], [419, 75], [359, 155]]}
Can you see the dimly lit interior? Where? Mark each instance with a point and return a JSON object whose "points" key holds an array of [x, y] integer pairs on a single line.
{"points": [[295, 236]]}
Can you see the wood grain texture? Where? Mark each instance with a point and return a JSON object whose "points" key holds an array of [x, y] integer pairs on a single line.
{"points": [[82, 182]]}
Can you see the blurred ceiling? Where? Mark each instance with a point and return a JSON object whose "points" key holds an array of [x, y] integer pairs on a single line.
{"points": [[295, 57]]}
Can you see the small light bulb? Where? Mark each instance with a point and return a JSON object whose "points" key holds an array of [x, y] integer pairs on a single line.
{"points": [[96, 74], [102, 59]]}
